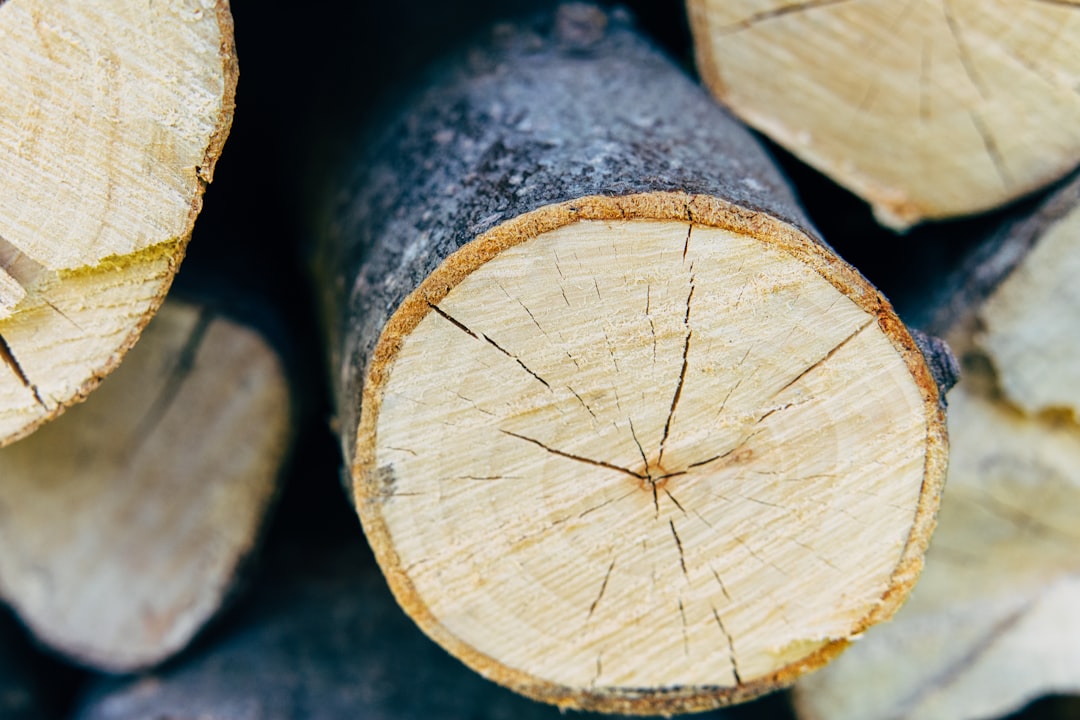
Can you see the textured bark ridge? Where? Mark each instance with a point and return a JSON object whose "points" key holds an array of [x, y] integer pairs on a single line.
{"points": [[113, 117], [623, 434], [925, 109], [125, 521], [993, 622]]}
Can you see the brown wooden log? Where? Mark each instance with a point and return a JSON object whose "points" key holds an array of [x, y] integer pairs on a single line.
{"points": [[114, 115], [624, 433], [926, 110], [124, 523], [993, 623]]}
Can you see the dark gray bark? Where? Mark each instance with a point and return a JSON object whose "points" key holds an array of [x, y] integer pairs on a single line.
{"points": [[541, 112]]}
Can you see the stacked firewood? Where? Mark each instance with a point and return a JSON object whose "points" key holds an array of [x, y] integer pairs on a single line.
{"points": [[639, 413]]}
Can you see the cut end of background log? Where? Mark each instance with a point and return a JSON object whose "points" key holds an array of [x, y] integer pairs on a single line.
{"points": [[628, 438], [125, 521], [112, 120], [927, 110]]}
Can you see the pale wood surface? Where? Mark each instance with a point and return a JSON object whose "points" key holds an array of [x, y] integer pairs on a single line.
{"points": [[992, 623], [550, 294], [123, 523], [1029, 325], [926, 108], [113, 117], [670, 458]]}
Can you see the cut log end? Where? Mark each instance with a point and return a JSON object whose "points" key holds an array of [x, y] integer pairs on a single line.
{"points": [[649, 442], [131, 515], [72, 329], [953, 108], [113, 119]]}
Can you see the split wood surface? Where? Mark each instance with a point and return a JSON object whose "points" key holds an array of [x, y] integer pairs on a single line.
{"points": [[993, 622], [123, 523], [927, 109], [624, 435], [113, 116]]}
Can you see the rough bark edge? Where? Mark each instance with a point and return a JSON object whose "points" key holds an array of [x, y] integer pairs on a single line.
{"points": [[174, 248], [706, 211]]}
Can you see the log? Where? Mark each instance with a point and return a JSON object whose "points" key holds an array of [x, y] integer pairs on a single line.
{"points": [[926, 110], [322, 639], [125, 522], [624, 434], [113, 117], [992, 624]]}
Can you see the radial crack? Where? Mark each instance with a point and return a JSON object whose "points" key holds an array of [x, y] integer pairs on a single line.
{"points": [[516, 359], [962, 50], [594, 508], [603, 587], [453, 321], [480, 336], [571, 456], [991, 147], [828, 356], [776, 13], [8, 358], [582, 401], [682, 375], [672, 498], [723, 588], [730, 644], [678, 544]]}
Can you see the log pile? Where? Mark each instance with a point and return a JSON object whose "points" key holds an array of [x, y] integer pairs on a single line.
{"points": [[617, 394]]}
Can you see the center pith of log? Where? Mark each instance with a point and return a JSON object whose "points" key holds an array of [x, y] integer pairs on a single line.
{"points": [[622, 454]]}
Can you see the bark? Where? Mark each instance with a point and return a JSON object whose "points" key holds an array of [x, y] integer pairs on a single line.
{"points": [[554, 225], [128, 520], [113, 119], [951, 110]]}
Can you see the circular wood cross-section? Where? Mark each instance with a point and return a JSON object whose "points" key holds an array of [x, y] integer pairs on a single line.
{"points": [[647, 465], [928, 109], [112, 120]]}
